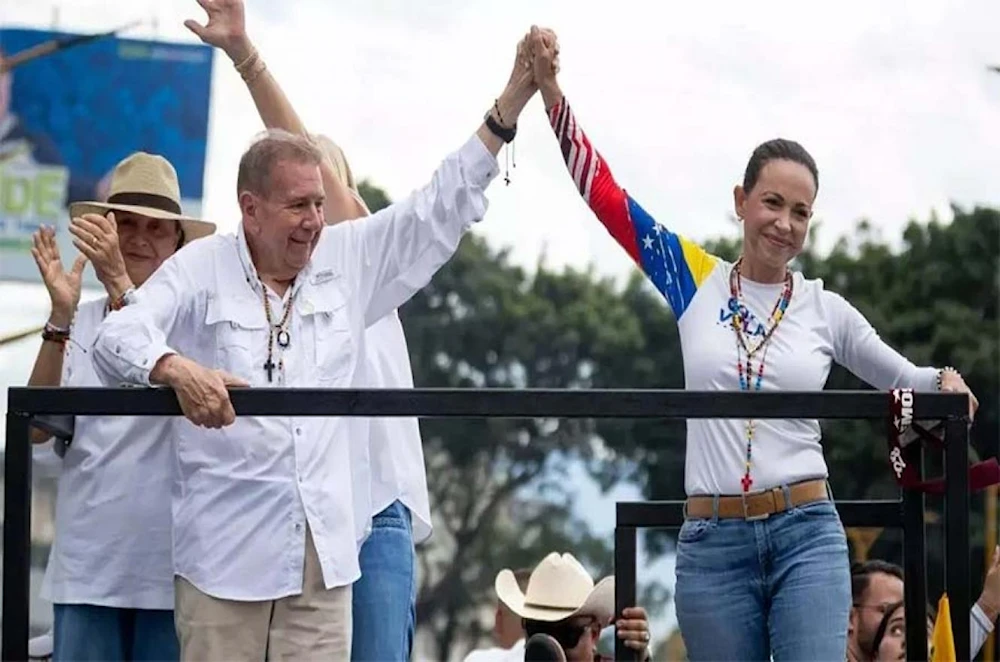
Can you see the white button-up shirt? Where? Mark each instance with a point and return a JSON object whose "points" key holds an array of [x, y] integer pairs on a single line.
{"points": [[246, 492], [397, 454], [112, 544]]}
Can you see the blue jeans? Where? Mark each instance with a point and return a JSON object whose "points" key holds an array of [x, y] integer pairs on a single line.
{"points": [[88, 633], [779, 586], [384, 599]]}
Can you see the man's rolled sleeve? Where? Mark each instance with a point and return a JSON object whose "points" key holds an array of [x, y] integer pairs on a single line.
{"points": [[130, 341], [403, 245], [127, 350], [477, 160]]}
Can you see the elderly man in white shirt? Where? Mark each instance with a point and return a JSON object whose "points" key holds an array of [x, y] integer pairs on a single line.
{"points": [[265, 546], [393, 475], [384, 599]]}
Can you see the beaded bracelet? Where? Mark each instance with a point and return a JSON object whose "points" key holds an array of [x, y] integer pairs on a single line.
{"points": [[53, 333], [941, 372]]}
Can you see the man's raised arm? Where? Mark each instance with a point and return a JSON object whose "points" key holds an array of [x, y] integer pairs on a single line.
{"points": [[398, 249]]}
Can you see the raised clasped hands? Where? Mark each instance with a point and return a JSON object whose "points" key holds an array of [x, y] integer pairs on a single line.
{"points": [[538, 52]]}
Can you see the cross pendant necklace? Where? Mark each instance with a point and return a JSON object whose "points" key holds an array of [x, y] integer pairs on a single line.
{"points": [[283, 338]]}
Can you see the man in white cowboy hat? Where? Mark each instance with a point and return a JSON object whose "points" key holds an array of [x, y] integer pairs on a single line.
{"points": [[110, 571], [562, 602]]}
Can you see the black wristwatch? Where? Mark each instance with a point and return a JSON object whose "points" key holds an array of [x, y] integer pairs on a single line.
{"points": [[504, 134]]}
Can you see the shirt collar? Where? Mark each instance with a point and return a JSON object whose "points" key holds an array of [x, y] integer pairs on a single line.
{"points": [[250, 270]]}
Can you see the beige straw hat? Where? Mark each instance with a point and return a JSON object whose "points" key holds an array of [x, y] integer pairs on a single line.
{"points": [[146, 184]]}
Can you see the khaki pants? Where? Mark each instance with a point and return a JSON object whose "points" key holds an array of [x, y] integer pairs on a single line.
{"points": [[315, 625]]}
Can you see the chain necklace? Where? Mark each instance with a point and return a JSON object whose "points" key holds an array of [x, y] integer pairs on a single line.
{"points": [[745, 369], [276, 332]]}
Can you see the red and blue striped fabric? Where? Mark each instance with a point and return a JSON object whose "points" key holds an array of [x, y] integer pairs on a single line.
{"points": [[675, 265]]}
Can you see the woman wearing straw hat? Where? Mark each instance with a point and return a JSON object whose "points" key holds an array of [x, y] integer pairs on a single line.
{"points": [[110, 571]]}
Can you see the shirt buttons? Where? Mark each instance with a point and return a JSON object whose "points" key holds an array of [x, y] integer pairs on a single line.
{"points": [[298, 431]]}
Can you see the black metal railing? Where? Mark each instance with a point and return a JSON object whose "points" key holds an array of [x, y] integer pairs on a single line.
{"points": [[25, 403]]}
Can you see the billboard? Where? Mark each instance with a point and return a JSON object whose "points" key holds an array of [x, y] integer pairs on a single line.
{"points": [[68, 117]]}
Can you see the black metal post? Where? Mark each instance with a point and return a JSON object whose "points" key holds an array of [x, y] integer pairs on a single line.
{"points": [[16, 539], [915, 562], [957, 554], [625, 578]]}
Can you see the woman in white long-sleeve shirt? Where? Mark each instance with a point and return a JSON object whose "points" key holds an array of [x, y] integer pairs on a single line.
{"points": [[762, 562]]}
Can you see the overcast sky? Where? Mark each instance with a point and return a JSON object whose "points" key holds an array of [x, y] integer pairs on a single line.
{"points": [[892, 98]]}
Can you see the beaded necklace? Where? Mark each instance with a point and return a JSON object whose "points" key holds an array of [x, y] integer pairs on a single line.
{"points": [[743, 346], [282, 336]]}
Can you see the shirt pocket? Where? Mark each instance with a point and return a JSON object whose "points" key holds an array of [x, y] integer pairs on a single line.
{"points": [[335, 347], [239, 329]]}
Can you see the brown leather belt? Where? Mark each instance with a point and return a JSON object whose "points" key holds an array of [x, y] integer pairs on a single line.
{"points": [[758, 505]]}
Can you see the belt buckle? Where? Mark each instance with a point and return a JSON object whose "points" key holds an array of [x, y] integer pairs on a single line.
{"points": [[746, 514]]}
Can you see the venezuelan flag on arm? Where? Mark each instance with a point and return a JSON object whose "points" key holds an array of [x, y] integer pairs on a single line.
{"points": [[943, 640], [675, 265]]}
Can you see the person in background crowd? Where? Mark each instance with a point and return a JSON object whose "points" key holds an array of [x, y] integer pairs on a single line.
{"points": [[889, 640], [561, 601], [508, 630], [878, 585]]}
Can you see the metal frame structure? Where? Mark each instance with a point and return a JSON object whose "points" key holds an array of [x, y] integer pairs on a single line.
{"points": [[25, 403]]}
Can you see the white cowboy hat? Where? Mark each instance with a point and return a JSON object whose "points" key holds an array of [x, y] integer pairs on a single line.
{"points": [[146, 184], [558, 588]]}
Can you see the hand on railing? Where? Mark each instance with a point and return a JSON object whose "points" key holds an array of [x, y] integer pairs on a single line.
{"points": [[203, 393], [633, 630], [952, 382]]}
